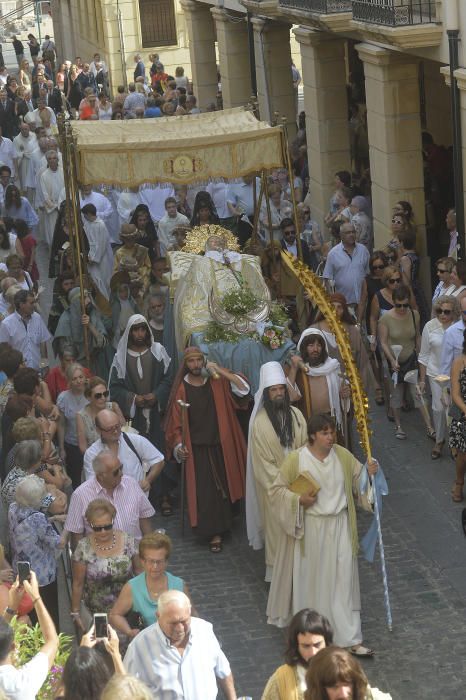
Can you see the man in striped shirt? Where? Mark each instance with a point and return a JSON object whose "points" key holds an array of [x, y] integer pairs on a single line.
{"points": [[133, 510], [179, 657]]}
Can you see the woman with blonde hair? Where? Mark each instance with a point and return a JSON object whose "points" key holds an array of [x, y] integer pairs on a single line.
{"points": [[97, 394], [126, 688], [24, 74], [103, 562]]}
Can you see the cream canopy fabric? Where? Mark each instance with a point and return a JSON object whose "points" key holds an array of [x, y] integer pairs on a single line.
{"points": [[195, 147]]}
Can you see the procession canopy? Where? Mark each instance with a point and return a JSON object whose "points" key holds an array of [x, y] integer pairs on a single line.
{"points": [[184, 149]]}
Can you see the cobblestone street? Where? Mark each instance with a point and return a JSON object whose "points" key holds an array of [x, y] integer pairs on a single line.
{"points": [[426, 559]]}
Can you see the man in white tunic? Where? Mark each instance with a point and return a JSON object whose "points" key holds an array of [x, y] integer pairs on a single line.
{"points": [[316, 558], [25, 145], [100, 256], [275, 429], [49, 184], [168, 223], [154, 196]]}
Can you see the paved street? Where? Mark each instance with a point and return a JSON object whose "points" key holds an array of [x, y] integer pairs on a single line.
{"points": [[426, 559]]}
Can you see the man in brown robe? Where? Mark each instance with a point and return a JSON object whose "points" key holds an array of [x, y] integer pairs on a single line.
{"points": [[213, 445]]}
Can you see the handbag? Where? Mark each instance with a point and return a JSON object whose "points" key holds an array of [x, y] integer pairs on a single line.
{"points": [[411, 362]]}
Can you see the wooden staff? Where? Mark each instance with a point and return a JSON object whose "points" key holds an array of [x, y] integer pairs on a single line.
{"points": [[257, 210], [184, 409], [287, 159]]}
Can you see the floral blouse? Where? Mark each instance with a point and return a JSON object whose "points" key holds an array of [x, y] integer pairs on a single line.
{"points": [[35, 540], [105, 576]]}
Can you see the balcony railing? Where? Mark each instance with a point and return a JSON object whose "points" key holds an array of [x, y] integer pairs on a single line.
{"points": [[323, 7], [394, 13]]}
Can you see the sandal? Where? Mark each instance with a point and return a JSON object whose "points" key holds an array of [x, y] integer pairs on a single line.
{"points": [[166, 508], [379, 397], [431, 434], [437, 451], [457, 495], [361, 651], [400, 433], [216, 545]]}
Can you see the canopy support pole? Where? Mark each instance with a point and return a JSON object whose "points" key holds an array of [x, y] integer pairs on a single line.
{"points": [[73, 214]]}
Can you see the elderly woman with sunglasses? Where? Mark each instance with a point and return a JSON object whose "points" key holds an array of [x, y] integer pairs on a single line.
{"points": [[97, 394], [444, 268], [102, 563], [446, 311]]}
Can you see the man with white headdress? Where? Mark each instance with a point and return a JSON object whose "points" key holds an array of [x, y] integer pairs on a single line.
{"points": [[140, 379], [275, 429], [49, 185], [315, 384]]}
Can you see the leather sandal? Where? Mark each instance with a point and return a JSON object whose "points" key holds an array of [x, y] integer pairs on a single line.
{"points": [[437, 450], [457, 495]]}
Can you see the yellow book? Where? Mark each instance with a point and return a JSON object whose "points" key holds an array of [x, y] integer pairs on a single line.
{"points": [[305, 484]]}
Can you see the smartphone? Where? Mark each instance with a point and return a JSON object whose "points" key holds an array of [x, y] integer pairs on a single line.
{"points": [[24, 571], [101, 626]]}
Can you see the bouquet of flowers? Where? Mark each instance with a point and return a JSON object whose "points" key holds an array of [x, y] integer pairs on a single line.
{"points": [[28, 641], [274, 337]]}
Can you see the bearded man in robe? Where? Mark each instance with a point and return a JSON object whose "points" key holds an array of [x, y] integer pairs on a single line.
{"points": [[275, 429], [212, 444], [316, 384]]}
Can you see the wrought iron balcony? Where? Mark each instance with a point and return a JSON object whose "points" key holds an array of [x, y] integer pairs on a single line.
{"points": [[394, 13], [324, 7]]}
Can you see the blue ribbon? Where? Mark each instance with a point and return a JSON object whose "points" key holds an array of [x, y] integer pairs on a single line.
{"points": [[369, 541]]}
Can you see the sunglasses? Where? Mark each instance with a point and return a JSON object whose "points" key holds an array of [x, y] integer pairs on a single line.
{"points": [[402, 306], [440, 271], [112, 429], [394, 280], [378, 267], [101, 528], [101, 395], [447, 312]]}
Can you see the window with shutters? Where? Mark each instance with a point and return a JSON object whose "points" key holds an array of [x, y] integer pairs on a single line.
{"points": [[158, 23]]}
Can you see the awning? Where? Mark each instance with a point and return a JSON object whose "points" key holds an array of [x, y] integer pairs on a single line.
{"points": [[189, 148]]}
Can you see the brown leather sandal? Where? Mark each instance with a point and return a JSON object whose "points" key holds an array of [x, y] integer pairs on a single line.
{"points": [[457, 495]]}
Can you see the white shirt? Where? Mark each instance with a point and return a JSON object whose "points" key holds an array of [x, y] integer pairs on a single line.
{"points": [[25, 336], [148, 453], [25, 682], [241, 195], [170, 676], [8, 154], [431, 347], [452, 345]]}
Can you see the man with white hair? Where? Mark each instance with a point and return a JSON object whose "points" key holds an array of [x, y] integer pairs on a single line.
{"points": [[25, 144], [49, 185], [133, 510], [275, 429], [179, 657]]}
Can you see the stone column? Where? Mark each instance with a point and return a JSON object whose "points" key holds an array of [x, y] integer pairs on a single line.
{"points": [[275, 90], [233, 52], [460, 75], [201, 34], [394, 126], [325, 104]]}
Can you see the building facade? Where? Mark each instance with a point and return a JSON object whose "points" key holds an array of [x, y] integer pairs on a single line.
{"points": [[397, 49], [117, 29]]}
